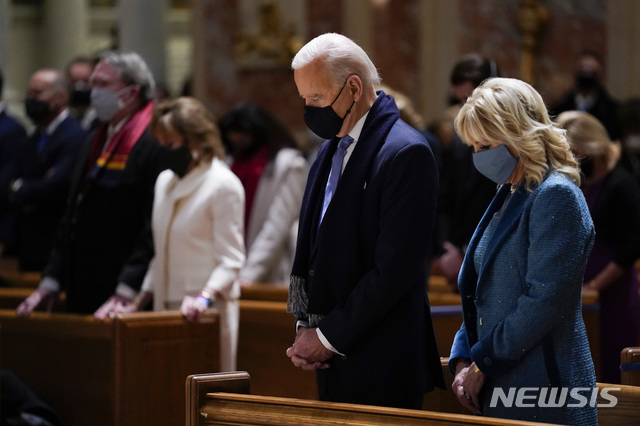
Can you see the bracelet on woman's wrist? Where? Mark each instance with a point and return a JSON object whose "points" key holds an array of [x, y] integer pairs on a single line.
{"points": [[206, 297]]}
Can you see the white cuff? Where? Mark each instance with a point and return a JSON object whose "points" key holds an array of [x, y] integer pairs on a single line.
{"points": [[15, 186], [301, 323], [326, 343], [125, 291], [49, 284]]}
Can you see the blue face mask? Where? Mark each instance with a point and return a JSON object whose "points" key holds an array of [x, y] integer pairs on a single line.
{"points": [[496, 164]]}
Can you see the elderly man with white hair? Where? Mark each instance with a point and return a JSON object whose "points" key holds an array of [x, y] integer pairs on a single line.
{"points": [[358, 283]]}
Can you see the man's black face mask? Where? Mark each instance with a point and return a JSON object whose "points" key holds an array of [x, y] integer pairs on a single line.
{"points": [[324, 121]]}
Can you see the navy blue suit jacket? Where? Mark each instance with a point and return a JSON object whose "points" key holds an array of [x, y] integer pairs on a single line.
{"points": [[41, 199], [12, 137], [364, 270]]}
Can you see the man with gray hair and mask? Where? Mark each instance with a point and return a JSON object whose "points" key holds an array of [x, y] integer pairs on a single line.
{"points": [[104, 242]]}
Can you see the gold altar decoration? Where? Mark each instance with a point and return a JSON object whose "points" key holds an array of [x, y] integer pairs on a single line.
{"points": [[273, 46], [532, 17]]}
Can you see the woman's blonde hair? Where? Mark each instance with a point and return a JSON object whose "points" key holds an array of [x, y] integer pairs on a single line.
{"points": [[511, 111], [587, 136], [190, 118]]}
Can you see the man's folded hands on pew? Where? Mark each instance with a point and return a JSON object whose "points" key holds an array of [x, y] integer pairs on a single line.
{"points": [[308, 352]]}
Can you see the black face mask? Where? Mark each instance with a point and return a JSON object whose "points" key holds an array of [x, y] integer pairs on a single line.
{"points": [[80, 98], [586, 80], [36, 110], [178, 159], [586, 166], [324, 122]]}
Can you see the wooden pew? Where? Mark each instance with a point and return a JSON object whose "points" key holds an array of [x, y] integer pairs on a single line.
{"points": [[630, 366], [267, 330], [11, 297], [14, 277], [213, 399], [266, 292], [626, 411], [439, 290], [126, 371], [223, 398]]}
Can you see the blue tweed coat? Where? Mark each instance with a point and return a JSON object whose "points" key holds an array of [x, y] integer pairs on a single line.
{"points": [[522, 310]]}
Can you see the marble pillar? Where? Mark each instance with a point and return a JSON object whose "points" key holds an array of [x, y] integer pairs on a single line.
{"points": [[142, 30], [64, 32], [4, 32]]}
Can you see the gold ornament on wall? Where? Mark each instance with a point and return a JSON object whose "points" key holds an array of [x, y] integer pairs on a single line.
{"points": [[532, 17], [274, 45]]}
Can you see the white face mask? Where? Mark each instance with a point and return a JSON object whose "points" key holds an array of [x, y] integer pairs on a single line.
{"points": [[106, 103]]}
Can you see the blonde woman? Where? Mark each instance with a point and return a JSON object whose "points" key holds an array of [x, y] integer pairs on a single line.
{"points": [[613, 198], [197, 223], [522, 275]]}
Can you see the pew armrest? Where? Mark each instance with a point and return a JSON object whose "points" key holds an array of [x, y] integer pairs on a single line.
{"points": [[198, 385]]}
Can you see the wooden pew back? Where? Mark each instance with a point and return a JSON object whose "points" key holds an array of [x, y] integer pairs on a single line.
{"points": [[128, 371], [627, 408], [630, 366], [223, 399], [226, 407], [266, 331], [14, 277], [625, 412]]}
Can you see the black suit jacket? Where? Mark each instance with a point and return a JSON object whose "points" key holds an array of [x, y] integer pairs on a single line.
{"points": [[605, 109], [40, 200], [12, 137], [105, 236], [364, 270]]}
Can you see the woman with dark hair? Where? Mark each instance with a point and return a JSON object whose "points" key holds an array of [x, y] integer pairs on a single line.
{"points": [[273, 172], [467, 74]]}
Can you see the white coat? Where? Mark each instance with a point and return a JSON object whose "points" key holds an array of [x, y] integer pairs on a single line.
{"points": [[198, 228], [273, 224]]}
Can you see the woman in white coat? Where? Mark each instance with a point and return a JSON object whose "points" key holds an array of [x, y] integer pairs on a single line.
{"points": [[273, 172], [198, 224]]}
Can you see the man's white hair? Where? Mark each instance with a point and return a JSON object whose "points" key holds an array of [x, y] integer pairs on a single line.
{"points": [[341, 56]]}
